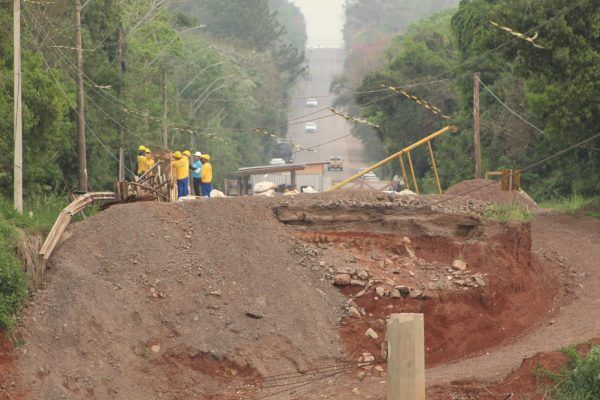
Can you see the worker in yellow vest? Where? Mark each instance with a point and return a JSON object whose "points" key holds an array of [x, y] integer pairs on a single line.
{"points": [[206, 175], [181, 169], [149, 159], [142, 161]]}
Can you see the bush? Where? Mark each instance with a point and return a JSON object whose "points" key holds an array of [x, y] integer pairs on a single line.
{"points": [[13, 283], [569, 205], [581, 379], [507, 213]]}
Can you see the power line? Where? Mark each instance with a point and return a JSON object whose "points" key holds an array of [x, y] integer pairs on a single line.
{"points": [[103, 94], [106, 148], [511, 110]]}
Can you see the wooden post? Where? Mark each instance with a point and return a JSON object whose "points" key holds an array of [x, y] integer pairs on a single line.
{"points": [[81, 146], [293, 178], [476, 135], [406, 357], [18, 110], [121, 55], [165, 128]]}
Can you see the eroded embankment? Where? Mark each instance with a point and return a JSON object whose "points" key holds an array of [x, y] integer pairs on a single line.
{"points": [[476, 281]]}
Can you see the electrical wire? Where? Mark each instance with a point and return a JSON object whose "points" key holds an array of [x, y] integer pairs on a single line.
{"points": [[439, 77], [510, 109], [96, 90], [106, 148]]}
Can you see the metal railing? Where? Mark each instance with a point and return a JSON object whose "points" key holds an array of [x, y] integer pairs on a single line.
{"points": [[400, 156]]}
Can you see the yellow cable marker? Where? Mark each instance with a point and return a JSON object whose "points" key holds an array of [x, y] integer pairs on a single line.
{"points": [[420, 102], [355, 120], [519, 35]]}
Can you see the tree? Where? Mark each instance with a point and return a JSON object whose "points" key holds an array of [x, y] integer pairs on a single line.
{"points": [[560, 82]]}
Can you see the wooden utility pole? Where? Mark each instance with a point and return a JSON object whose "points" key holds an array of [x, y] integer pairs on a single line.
{"points": [[476, 136], [165, 128], [81, 147], [406, 357], [18, 110], [121, 55]]}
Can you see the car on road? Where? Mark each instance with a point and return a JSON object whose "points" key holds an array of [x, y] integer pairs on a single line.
{"points": [[284, 149], [312, 102], [335, 162], [310, 127], [369, 176], [277, 161]]}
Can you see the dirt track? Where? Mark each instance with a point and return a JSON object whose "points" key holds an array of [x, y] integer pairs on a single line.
{"points": [[576, 243]]}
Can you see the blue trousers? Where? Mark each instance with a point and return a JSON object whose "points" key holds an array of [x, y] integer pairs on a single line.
{"points": [[206, 189], [183, 188]]}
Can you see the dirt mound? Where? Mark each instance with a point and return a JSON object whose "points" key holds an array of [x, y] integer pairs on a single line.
{"points": [[165, 300], [489, 191]]}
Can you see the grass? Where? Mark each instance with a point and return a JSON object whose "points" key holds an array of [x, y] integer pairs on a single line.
{"points": [[13, 282], [579, 379], [508, 213], [575, 204]]}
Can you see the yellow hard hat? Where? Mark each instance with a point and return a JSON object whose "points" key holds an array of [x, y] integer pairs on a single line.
{"points": [[147, 150], [206, 156], [177, 154], [142, 148], [187, 153]]}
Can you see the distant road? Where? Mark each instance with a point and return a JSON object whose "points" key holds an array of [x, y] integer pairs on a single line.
{"points": [[324, 64]]}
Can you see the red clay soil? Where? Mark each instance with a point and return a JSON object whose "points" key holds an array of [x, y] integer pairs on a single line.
{"points": [[7, 366], [530, 381], [459, 321], [570, 242], [488, 190]]}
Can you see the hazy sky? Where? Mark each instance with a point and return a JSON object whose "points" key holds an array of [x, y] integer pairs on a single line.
{"points": [[324, 21]]}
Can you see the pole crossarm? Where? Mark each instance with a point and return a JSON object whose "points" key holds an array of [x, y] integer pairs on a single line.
{"points": [[394, 156]]}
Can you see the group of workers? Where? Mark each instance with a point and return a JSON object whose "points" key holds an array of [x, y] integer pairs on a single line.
{"points": [[184, 166]]}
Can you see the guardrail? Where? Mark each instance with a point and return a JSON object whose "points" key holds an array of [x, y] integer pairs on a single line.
{"points": [[61, 224]]}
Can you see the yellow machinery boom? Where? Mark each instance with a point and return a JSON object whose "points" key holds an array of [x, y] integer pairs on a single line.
{"points": [[400, 155]]}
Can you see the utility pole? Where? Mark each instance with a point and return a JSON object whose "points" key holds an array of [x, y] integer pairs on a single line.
{"points": [[81, 148], [121, 51], [476, 136], [18, 110], [165, 128]]}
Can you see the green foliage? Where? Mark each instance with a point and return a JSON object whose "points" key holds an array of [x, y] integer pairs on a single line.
{"points": [[239, 20], [581, 379], [291, 18], [225, 78], [369, 27], [555, 88], [13, 284], [368, 18], [574, 204], [557, 85], [424, 52], [46, 124], [508, 213]]}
